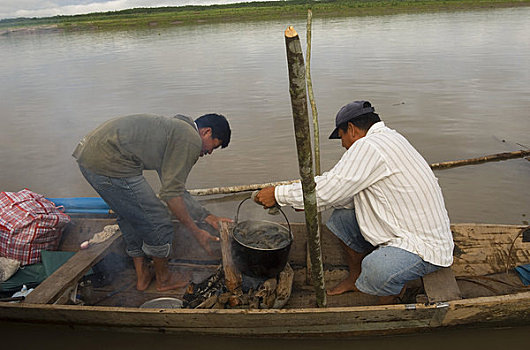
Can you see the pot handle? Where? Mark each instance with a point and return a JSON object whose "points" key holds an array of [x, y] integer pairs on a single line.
{"points": [[280, 209]]}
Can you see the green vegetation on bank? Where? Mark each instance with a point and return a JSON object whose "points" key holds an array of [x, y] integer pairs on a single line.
{"points": [[247, 11]]}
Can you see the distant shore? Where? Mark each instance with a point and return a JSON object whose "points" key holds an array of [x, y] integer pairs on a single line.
{"points": [[164, 17]]}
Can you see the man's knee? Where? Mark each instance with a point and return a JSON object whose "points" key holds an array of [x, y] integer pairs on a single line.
{"points": [[378, 278], [343, 224], [157, 251], [386, 270]]}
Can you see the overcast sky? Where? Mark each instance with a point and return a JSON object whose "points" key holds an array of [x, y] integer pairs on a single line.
{"points": [[47, 8]]}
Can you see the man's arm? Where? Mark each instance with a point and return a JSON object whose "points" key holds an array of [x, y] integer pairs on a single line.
{"points": [[197, 212], [179, 209], [200, 213], [359, 168]]}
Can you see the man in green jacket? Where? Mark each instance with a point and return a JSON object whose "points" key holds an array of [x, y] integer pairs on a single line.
{"points": [[112, 159]]}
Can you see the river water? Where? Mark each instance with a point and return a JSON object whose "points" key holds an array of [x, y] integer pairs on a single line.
{"points": [[455, 84]]}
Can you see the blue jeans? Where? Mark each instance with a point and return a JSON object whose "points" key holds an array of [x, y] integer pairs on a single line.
{"points": [[144, 220], [386, 269]]}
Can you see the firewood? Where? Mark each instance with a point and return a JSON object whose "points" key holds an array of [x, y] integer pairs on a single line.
{"points": [[245, 299], [234, 301], [254, 302], [219, 306], [268, 301], [232, 275], [223, 298], [267, 288], [208, 303], [284, 288]]}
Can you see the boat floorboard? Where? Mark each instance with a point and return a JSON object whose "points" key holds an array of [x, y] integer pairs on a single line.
{"points": [[122, 290]]}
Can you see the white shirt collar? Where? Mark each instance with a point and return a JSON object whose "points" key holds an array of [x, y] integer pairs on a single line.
{"points": [[377, 127]]}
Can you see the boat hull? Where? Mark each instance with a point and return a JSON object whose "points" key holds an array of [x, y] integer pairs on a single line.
{"points": [[476, 254]]}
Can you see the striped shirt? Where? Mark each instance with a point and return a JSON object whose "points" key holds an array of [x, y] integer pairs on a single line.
{"points": [[396, 196]]}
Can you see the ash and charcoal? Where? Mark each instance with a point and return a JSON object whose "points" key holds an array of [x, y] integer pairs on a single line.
{"points": [[261, 236]]}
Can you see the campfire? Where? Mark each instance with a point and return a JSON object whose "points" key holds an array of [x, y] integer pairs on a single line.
{"points": [[252, 293], [228, 287]]}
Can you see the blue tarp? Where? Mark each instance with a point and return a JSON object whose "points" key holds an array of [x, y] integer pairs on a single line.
{"points": [[524, 273], [89, 205]]}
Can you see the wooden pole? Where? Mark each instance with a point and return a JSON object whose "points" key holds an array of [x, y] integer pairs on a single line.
{"points": [[316, 129], [483, 159], [297, 89], [435, 166], [236, 189]]}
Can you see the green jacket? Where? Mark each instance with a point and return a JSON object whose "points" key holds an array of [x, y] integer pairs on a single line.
{"points": [[126, 146]]}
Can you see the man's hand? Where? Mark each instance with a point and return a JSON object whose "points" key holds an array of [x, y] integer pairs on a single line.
{"points": [[204, 239], [266, 197], [213, 220]]}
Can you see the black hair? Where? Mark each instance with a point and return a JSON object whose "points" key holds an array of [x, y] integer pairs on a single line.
{"points": [[363, 122], [218, 124]]}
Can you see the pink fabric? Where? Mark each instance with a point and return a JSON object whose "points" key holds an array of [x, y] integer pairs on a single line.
{"points": [[29, 223]]}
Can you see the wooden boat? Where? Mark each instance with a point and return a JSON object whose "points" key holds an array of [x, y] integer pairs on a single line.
{"points": [[488, 291]]}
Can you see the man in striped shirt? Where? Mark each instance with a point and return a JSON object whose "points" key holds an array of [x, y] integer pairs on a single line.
{"points": [[389, 213]]}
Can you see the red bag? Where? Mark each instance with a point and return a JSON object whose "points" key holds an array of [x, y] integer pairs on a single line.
{"points": [[29, 223]]}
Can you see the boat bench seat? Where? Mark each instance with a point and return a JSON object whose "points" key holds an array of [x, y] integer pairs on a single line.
{"points": [[441, 286]]}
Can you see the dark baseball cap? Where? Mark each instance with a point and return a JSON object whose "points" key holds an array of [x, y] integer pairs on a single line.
{"points": [[351, 111]]}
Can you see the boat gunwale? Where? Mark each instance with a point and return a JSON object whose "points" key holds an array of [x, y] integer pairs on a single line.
{"points": [[518, 296]]}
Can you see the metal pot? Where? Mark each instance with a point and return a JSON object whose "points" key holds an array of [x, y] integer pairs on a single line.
{"points": [[162, 303], [258, 257]]}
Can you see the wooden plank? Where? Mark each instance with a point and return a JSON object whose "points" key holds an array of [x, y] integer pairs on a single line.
{"points": [[237, 322], [441, 286], [482, 249], [511, 309], [233, 277], [70, 272]]}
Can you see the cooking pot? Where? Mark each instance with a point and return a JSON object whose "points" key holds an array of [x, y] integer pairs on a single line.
{"points": [[260, 248]]}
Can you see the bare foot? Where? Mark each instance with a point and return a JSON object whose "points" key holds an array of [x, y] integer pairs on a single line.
{"points": [[144, 275], [174, 281], [347, 285], [144, 281]]}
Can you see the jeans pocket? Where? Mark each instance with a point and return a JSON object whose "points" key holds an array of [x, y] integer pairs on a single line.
{"points": [[98, 182], [103, 183]]}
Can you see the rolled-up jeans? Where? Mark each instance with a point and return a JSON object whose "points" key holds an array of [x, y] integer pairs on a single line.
{"points": [[144, 220], [386, 269]]}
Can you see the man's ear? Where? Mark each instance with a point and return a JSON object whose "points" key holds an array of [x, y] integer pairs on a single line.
{"points": [[351, 129], [205, 131]]}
